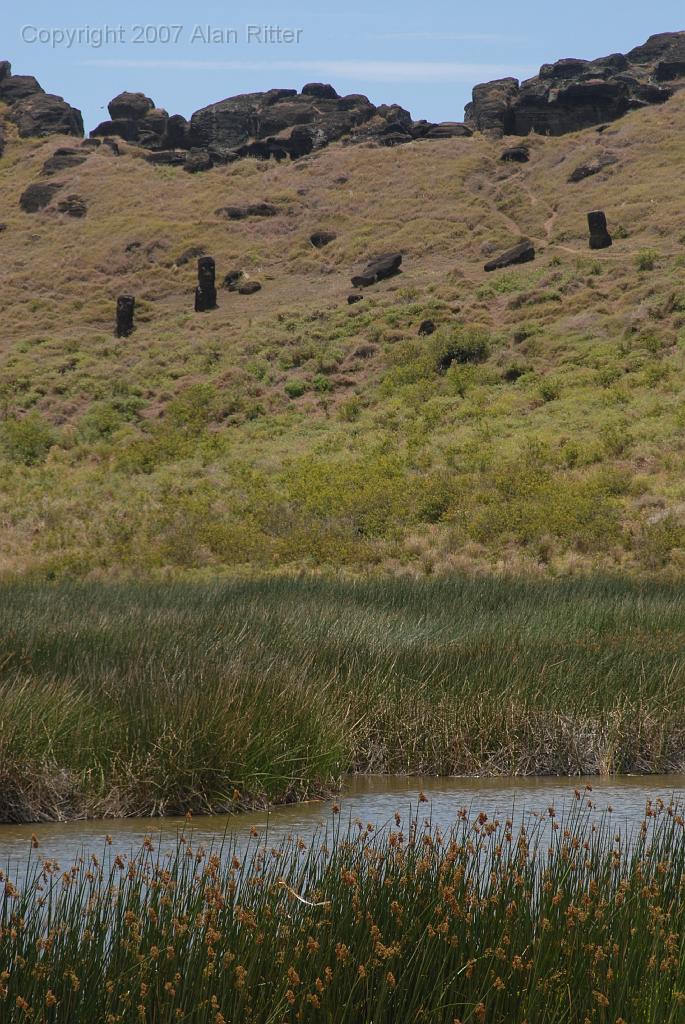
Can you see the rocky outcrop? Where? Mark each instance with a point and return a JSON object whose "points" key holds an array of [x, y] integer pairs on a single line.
{"points": [[524, 252], [63, 159], [592, 167], [572, 94], [73, 206], [252, 210], [320, 239], [516, 155], [34, 111]]}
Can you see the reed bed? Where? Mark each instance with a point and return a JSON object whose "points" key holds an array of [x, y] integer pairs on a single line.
{"points": [[157, 699], [490, 922]]}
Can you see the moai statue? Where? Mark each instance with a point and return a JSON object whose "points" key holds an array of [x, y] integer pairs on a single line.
{"points": [[205, 293], [599, 233], [126, 305]]}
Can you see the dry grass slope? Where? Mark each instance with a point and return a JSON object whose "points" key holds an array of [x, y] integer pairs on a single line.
{"points": [[287, 429]]}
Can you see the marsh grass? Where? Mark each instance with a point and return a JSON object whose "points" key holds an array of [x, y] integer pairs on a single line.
{"points": [[144, 699], [554, 920]]}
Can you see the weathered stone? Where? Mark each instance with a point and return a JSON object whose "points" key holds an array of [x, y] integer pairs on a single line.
{"points": [[39, 195], [91, 143], [249, 288], [320, 91], [129, 106], [63, 159], [18, 87], [126, 305], [448, 130], [354, 297], [197, 160], [191, 253], [599, 232], [205, 293], [378, 269], [524, 252], [232, 279], [177, 129], [592, 167], [112, 145], [322, 238], [168, 158], [426, 328], [492, 107], [44, 114], [74, 206], [123, 129], [253, 210], [2, 140], [516, 155]]}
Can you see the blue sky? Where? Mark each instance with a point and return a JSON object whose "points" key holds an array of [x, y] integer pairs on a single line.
{"points": [[425, 56]]}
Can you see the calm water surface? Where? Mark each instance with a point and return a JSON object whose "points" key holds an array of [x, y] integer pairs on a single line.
{"points": [[372, 799]]}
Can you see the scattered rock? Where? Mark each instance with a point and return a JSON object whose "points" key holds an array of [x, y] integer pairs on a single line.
{"points": [[378, 269], [524, 252], [168, 158], [599, 232], [132, 246], [74, 206], [129, 106], [205, 293], [354, 297], [516, 155], [592, 167], [191, 253], [322, 238], [39, 195], [3, 227], [241, 212], [197, 160], [111, 144], [426, 328], [125, 309], [91, 143], [231, 280], [342, 180], [249, 288], [63, 159], [44, 114], [447, 130], [572, 94]]}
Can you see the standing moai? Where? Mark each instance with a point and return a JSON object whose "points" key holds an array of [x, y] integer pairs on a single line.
{"points": [[599, 233], [126, 305], [205, 293]]}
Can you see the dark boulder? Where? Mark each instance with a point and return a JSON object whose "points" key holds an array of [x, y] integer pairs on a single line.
{"points": [[123, 129], [599, 232], [516, 155], [378, 269], [63, 159], [205, 293], [492, 108], [126, 305], [426, 328], [91, 143], [320, 91], [587, 170], [249, 288], [44, 114], [232, 279], [177, 129], [129, 106], [191, 253], [354, 297], [152, 129], [447, 130], [73, 206], [322, 238], [39, 195], [242, 212], [2, 140], [112, 145], [198, 160], [524, 252]]}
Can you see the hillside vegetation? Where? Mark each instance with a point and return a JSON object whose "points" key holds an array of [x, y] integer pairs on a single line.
{"points": [[540, 429]]}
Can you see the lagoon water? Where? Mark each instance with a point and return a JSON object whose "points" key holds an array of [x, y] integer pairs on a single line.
{"points": [[372, 799]]}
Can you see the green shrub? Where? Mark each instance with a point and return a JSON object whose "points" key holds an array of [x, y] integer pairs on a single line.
{"points": [[27, 440], [295, 388], [193, 408], [646, 259], [459, 345], [550, 389]]}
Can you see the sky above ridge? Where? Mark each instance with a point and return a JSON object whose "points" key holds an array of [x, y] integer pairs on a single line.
{"points": [[427, 56]]}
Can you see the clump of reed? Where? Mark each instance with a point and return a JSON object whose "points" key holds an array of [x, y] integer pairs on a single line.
{"points": [[150, 699], [548, 920]]}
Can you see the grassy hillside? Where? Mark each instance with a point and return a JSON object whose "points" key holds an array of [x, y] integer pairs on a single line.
{"points": [[290, 430]]}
